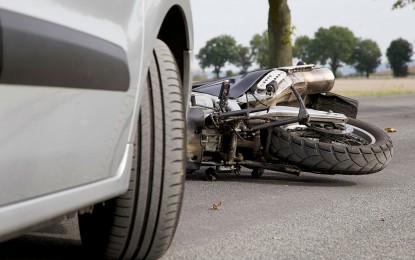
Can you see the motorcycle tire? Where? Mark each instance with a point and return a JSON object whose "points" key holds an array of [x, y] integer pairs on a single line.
{"points": [[141, 223], [316, 156]]}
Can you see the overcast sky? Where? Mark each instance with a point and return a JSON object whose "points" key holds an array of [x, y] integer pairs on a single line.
{"points": [[367, 19]]}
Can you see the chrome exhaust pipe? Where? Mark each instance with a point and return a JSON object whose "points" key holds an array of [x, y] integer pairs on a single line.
{"points": [[317, 80]]}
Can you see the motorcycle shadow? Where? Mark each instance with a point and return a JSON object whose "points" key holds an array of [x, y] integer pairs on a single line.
{"points": [[276, 178]]}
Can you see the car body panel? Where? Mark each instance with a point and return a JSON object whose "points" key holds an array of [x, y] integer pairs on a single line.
{"points": [[64, 147], [78, 145]]}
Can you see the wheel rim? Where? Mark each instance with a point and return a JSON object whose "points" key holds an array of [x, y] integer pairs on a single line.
{"points": [[348, 134], [363, 134]]}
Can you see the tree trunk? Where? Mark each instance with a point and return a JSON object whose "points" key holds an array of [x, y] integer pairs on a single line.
{"points": [[334, 65], [279, 33], [367, 74], [334, 68], [216, 70]]}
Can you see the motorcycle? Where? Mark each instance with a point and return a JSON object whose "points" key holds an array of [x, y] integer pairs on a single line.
{"points": [[284, 119]]}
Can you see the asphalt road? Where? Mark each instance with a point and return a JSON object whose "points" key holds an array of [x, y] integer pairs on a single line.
{"points": [[285, 217]]}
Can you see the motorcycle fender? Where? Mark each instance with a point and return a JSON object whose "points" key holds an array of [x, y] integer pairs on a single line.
{"points": [[333, 102]]}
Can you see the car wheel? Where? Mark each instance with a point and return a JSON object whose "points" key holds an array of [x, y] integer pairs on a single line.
{"points": [[141, 223]]}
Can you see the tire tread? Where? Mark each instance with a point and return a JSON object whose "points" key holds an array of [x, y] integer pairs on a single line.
{"points": [[333, 159]]}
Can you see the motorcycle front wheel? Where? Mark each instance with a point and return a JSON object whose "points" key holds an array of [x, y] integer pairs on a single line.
{"points": [[357, 148]]}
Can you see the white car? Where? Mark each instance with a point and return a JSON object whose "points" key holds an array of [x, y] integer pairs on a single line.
{"points": [[92, 119]]}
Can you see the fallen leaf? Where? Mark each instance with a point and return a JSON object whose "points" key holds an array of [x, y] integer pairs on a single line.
{"points": [[217, 206], [390, 129]]}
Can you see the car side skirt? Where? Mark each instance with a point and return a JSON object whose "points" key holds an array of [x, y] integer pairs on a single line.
{"points": [[27, 215]]}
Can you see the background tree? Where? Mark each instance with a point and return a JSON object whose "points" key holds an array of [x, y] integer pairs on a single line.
{"points": [[367, 56], [279, 31], [229, 73], [243, 58], [399, 53], [301, 49], [333, 46], [402, 3], [217, 52], [260, 51]]}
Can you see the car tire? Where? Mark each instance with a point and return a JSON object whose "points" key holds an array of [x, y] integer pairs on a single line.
{"points": [[141, 223]]}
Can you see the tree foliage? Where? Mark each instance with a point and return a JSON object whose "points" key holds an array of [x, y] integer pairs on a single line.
{"points": [[243, 58], [279, 32], [333, 46], [399, 53], [217, 52], [367, 56], [302, 49], [402, 3], [259, 49]]}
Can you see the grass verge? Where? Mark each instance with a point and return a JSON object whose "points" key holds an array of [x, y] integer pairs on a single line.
{"points": [[374, 87]]}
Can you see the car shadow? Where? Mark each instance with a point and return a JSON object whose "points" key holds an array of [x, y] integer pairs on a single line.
{"points": [[276, 178], [58, 241], [36, 247]]}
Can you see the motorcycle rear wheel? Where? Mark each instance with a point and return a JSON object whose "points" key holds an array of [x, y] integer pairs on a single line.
{"points": [[364, 149]]}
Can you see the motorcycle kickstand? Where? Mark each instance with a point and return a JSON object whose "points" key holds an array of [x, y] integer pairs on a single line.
{"points": [[237, 170], [211, 174]]}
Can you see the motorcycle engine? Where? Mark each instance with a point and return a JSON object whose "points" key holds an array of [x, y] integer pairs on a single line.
{"points": [[195, 123]]}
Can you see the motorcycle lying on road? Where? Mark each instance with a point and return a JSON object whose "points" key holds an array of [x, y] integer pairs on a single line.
{"points": [[283, 119]]}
